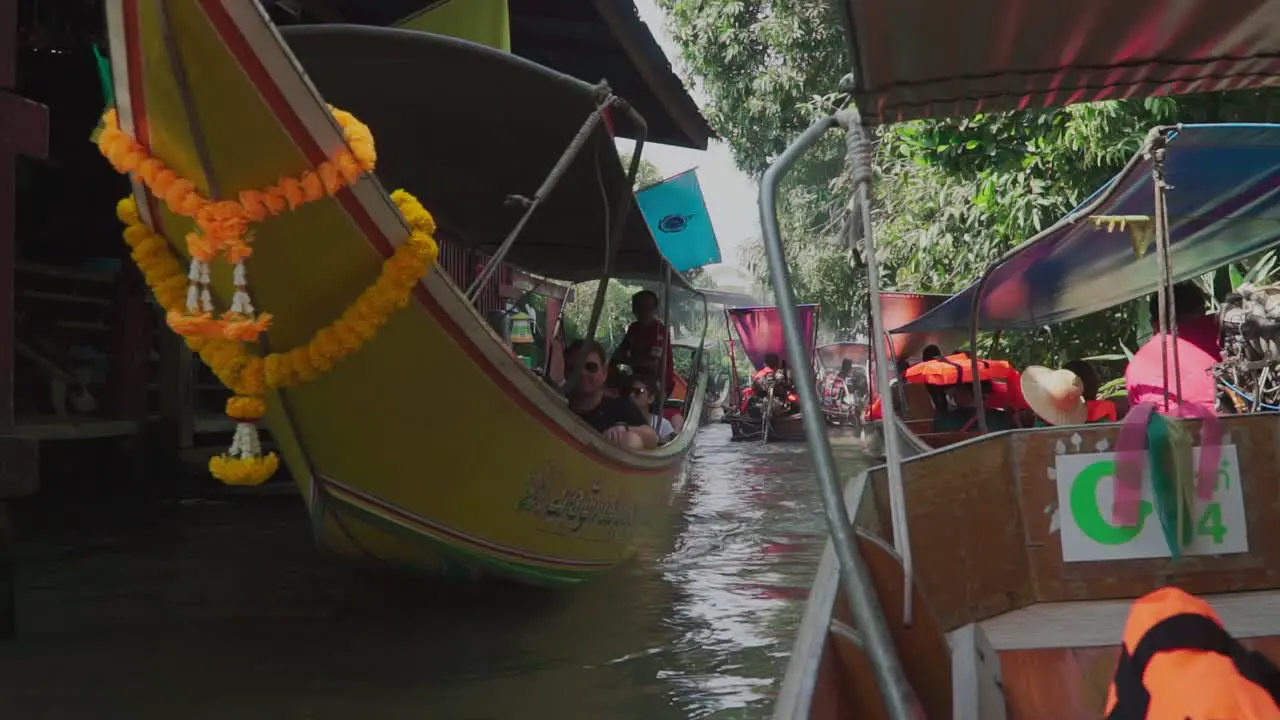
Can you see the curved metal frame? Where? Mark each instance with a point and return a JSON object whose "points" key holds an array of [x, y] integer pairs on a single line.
{"points": [[975, 308], [860, 592]]}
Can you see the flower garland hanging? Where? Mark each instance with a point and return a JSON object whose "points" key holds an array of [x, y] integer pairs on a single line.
{"points": [[224, 224], [224, 227]]}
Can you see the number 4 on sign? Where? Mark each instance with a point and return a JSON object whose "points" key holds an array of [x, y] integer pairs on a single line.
{"points": [[1211, 523]]}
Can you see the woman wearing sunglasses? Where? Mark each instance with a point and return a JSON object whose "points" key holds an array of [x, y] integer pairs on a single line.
{"points": [[643, 391]]}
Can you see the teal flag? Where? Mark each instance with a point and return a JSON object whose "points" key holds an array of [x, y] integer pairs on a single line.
{"points": [[677, 217]]}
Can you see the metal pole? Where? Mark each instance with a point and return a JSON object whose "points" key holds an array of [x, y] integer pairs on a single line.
{"points": [[666, 342], [619, 220], [899, 699], [700, 357], [1168, 314], [979, 407], [733, 363], [614, 241], [548, 184]]}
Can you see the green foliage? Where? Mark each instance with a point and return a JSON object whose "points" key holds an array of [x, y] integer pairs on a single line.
{"points": [[647, 175], [951, 197], [613, 320]]}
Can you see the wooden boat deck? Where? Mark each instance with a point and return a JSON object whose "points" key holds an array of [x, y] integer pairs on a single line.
{"points": [[1032, 632]]}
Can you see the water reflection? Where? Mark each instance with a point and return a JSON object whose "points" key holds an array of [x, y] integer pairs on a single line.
{"points": [[741, 572], [226, 611]]}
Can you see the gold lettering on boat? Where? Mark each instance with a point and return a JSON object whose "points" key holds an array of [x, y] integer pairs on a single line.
{"points": [[571, 507]]}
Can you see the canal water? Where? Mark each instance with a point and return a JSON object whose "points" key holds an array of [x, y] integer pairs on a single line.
{"points": [[232, 614]]}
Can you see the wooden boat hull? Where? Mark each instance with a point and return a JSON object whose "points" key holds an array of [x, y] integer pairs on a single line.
{"points": [[787, 428], [432, 447], [1030, 634]]}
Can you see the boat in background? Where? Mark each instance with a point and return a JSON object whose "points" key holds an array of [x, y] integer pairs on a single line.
{"points": [[915, 416], [844, 399], [759, 333], [394, 447], [1003, 593]]}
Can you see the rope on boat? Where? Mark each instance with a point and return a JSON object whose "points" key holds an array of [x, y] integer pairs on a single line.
{"points": [[1156, 146], [860, 171]]}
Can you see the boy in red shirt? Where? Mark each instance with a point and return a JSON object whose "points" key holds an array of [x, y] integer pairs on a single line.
{"points": [[647, 341]]}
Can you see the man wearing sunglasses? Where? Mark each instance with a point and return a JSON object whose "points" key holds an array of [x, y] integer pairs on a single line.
{"points": [[616, 417]]}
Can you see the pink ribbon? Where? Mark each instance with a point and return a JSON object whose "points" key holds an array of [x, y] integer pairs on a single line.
{"points": [[1131, 458]]}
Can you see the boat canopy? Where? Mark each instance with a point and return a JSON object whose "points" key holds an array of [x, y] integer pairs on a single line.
{"points": [[830, 357], [728, 297], [759, 330], [465, 139], [1224, 205], [931, 58], [900, 308]]}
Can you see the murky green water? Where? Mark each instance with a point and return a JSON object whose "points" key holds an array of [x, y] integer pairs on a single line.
{"points": [[225, 611]]}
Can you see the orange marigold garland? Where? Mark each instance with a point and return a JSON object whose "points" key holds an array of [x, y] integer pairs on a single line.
{"points": [[224, 224], [221, 342]]}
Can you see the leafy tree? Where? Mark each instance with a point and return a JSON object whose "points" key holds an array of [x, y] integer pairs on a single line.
{"points": [[614, 319], [951, 195]]}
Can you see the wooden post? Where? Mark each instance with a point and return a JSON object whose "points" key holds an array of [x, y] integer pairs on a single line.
{"points": [[24, 130]]}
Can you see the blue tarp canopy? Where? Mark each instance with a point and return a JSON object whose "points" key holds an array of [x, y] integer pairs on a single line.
{"points": [[1224, 205], [677, 217]]}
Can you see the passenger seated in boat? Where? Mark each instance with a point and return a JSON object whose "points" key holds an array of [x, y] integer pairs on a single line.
{"points": [[962, 417], [774, 377], [772, 364], [674, 416], [675, 398], [1198, 352], [1098, 410], [846, 369], [617, 418], [643, 391], [834, 388], [937, 395], [1057, 397], [647, 339]]}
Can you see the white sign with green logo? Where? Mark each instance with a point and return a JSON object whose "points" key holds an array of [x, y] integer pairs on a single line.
{"points": [[1086, 490]]}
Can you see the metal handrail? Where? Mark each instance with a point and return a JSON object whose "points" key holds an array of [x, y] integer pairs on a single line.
{"points": [[899, 698]]}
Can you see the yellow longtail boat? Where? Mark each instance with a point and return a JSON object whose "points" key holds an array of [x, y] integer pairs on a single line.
{"points": [[427, 445]]}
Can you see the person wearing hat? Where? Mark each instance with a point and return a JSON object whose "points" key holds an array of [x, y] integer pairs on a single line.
{"points": [[1057, 397], [1099, 410]]}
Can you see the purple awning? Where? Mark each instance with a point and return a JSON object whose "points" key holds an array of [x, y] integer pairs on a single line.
{"points": [[929, 58], [759, 330]]}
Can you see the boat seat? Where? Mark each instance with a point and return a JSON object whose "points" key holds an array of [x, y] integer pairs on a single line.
{"points": [[919, 404], [921, 426], [943, 439]]}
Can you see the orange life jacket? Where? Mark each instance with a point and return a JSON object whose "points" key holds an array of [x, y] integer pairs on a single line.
{"points": [[761, 373], [1100, 411], [1178, 663]]}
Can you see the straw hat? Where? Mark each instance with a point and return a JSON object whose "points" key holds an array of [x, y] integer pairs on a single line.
{"points": [[1057, 396]]}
